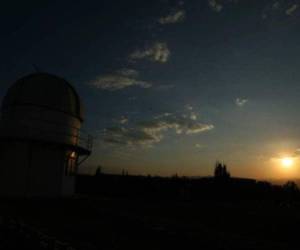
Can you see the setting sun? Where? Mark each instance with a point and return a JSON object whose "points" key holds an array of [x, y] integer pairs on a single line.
{"points": [[287, 162]]}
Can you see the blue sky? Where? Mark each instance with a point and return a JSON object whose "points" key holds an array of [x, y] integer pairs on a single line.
{"points": [[169, 86]]}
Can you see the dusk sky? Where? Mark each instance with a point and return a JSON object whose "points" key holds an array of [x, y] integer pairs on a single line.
{"points": [[170, 86]]}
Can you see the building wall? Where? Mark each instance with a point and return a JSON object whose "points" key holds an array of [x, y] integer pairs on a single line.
{"points": [[46, 169], [14, 174], [38, 123], [32, 169]]}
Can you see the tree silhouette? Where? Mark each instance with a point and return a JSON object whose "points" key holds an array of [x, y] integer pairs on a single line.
{"points": [[290, 186], [98, 170], [221, 172]]}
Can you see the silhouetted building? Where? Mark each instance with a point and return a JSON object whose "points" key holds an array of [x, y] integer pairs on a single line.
{"points": [[41, 144]]}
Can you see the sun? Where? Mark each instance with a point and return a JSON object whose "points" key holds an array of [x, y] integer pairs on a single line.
{"points": [[287, 162]]}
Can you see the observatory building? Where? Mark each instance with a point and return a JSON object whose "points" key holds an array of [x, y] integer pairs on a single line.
{"points": [[41, 144]]}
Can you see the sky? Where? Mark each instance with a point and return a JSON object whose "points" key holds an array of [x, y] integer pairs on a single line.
{"points": [[170, 86]]}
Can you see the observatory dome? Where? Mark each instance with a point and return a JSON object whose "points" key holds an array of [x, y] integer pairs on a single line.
{"points": [[45, 91]]}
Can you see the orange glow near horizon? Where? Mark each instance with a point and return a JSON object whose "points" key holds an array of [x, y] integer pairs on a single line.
{"points": [[287, 162], [284, 166]]}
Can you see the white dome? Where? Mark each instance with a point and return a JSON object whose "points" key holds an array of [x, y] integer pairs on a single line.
{"points": [[42, 107], [41, 137], [46, 91]]}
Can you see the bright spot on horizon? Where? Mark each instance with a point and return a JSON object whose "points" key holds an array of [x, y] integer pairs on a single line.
{"points": [[287, 162]]}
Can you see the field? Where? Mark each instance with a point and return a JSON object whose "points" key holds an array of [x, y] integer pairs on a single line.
{"points": [[99, 222]]}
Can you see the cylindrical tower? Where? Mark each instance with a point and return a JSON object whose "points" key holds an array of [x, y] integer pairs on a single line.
{"points": [[40, 137]]}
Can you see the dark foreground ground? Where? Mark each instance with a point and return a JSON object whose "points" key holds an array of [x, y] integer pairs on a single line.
{"points": [[118, 223]]}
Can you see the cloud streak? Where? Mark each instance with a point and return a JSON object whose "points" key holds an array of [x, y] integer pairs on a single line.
{"points": [[158, 52], [119, 80], [215, 5], [291, 10], [241, 102], [291, 154], [172, 18], [153, 131], [128, 136], [123, 120]]}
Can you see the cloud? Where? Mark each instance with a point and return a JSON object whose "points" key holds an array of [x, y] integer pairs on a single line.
{"points": [[199, 146], [193, 116], [123, 120], [181, 125], [290, 154], [129, 136], [174, 17], [199, 128], [119, 80], [189, 107], [240, 102], [276, 5], [297, 152], [158, 52], [152, 131], [163, 115], [215, 5], [290, 11]]}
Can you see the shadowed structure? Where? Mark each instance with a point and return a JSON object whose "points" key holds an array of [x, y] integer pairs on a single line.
{"points": [[41, 142]]}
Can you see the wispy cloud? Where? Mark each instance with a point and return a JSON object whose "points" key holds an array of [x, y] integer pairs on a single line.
{"points": [[240, 102], [128, 136], [193, 116], [189, 107], [181, 125], [215, 5], [290, 11], [119, 80], [297, 151], [199, 146], [275, 5], [295, 154], [152, 131], [123, 120], [289, 8], [174, 17], [158, 52]]}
